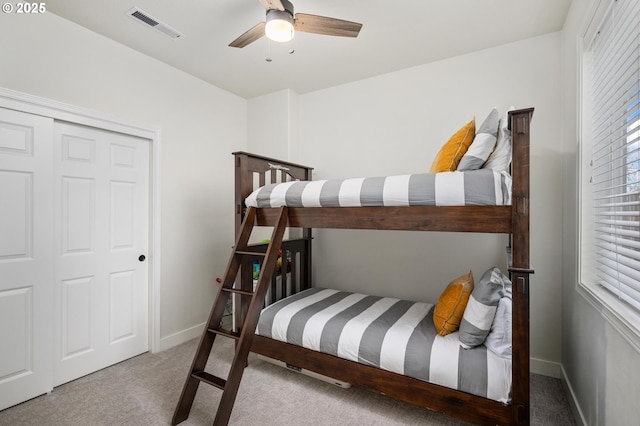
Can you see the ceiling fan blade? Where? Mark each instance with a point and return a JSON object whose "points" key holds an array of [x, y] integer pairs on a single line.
{"points": [[272, 4], [250, 36], [324, 25]]}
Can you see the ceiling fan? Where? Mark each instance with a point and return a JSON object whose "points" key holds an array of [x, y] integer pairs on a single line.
{"points": [[281, 23]]}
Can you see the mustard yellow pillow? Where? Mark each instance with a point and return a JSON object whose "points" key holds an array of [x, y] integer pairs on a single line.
{"points": [[451, 152], [451, 305]]}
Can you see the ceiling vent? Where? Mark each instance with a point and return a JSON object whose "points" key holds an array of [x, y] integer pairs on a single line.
{"points": [[148, 20]]}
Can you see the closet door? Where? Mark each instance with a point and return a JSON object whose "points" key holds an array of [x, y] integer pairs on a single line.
{"points": [[25, 256], [101, 184]]}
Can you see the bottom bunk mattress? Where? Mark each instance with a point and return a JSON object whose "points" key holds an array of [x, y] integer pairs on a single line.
{"points": [[391, 334]]}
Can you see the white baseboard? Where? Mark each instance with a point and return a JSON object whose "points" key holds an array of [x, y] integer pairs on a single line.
{"points": [[546, 368], [180, 337], [573, 401]]}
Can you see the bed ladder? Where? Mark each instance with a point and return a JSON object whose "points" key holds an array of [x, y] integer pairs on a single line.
{"points": [[241, 253]]}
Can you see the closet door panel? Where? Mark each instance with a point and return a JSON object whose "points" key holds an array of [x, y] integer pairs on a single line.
{"points": [[77, 324], [16, 215], [25, 256], [101, 180]]}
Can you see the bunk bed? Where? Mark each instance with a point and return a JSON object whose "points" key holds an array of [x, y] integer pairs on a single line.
{"points": [[294, 276]]}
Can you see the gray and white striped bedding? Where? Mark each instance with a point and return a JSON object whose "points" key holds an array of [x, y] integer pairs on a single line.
{"points": [[459, 188], [392, 334]]}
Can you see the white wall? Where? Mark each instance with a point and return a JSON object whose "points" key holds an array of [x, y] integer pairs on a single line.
{"points": [[600, 366], [200, 126], [395, 124], [273, 124]]}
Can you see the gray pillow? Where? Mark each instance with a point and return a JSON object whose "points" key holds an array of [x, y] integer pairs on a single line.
{"points": [[481, 308], [483, 143]]}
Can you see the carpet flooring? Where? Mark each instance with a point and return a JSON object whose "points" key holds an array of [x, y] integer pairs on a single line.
{"points": [[144, 391]]}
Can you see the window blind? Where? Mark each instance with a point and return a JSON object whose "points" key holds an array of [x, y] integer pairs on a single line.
{"points": [[614, 79]]}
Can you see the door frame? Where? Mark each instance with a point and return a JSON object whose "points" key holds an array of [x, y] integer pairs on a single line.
{"points": [[23, 102]]}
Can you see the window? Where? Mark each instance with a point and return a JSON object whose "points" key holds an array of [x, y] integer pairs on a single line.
{"points": [[610, 154]]}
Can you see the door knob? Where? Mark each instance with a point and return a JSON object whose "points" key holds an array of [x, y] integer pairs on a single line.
{"points": [[141, 258]]}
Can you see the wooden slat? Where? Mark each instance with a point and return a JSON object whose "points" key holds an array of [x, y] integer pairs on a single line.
{"points": [[489, 219], [250, 253], [227, 333], [237, 291], [210, 379], [261, 163]]}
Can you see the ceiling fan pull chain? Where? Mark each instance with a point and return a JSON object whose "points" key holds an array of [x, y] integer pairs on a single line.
{"points": [[268, 58]]}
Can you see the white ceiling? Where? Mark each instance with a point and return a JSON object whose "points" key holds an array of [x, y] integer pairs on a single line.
{"points": [[395, 35]]}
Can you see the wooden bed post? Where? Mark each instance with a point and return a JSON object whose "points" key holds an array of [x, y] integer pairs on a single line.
{"points": [[244, 186], [306, 259], [520, 267]]}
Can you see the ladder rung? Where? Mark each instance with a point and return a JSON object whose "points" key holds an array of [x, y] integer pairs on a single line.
{"points": [[251, 253], [227, 333], [210, 379], [237, 291]]}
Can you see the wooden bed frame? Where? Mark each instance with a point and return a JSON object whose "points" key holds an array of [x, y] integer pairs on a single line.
{"points": [[253, 171]]}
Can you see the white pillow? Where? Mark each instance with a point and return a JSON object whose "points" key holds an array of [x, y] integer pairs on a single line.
{"points": [[499, 339], [500, 158], [483, 143]]}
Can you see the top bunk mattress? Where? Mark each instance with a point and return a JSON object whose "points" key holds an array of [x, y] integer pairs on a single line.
{"points": [[483, 187]]}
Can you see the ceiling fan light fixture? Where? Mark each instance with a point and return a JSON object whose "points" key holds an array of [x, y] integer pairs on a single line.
{"points": [[281, 23], [279, 26]]}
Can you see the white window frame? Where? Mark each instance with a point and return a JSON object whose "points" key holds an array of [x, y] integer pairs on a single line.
{"points": [[621, 316]]}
